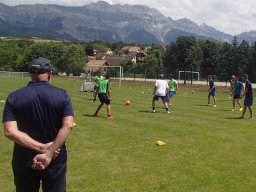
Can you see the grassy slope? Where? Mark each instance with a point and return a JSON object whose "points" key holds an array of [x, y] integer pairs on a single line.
{"points": [[206, 149]]}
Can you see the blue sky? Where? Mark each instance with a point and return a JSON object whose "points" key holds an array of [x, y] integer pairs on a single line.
{"points": [[229, 16]]}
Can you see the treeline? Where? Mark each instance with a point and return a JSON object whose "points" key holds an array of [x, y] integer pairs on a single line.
{"points": [[221, 59], [65, 57]]}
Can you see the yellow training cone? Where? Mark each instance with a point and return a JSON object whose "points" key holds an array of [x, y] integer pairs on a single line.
{"points": [[74, 124], [160, 143], [2, 101]]}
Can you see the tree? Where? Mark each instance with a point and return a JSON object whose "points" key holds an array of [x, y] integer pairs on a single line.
{"points": [[210, 58], [150, 65], [89, 49], [244, 57], [251, 67], [194, 57], [9, 52], [170, 59], [226, 65], [75, 59], [183, 45]]}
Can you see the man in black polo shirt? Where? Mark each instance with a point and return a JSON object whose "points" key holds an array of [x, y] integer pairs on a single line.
{"points": [[39, 118]]}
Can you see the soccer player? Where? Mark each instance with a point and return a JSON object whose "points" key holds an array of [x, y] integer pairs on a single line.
{"points": [[211, 91], [248, 100], [104, 96], [173, 85], [232, 85], [96, 85], [238, 90], [160, 90]]}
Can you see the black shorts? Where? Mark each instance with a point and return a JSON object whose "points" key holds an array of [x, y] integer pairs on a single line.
{"points": [[103, 97]]}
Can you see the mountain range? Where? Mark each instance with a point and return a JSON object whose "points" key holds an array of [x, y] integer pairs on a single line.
{"points": [[102, 21]]}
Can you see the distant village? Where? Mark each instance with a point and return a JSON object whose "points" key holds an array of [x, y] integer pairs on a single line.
{"points": [[99, 59]]}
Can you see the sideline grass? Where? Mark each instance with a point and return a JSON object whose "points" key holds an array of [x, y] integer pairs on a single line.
{"points": [[207, 149]]}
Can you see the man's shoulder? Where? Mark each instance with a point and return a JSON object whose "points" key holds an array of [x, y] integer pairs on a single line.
{"points": [[19, 91], [162, 81], [248, 84]]}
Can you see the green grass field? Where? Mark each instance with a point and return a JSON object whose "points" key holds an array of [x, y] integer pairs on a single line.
{"points": [[207, 149]]}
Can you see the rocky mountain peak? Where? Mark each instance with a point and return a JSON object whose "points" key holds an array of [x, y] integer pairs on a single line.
{"points": [[102, 21]]}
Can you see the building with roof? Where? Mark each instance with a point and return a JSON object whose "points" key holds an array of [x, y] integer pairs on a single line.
{"points": [[115, 60], [131, 57], [96, 65]]}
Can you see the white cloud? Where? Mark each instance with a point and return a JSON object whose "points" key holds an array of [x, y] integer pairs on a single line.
{"points": [[229, 16]]}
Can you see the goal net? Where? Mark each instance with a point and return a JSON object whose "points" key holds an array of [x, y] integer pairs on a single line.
{"points": [[87, 86], [113, 71], [194, 76]]}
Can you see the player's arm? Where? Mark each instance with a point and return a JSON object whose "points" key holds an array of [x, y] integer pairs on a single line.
{"points": [[154, 90], [167, 89], [243, 88], [41, 161], [245, 92], [210, 89], [95, 84], [12, 132], [96, 90]]}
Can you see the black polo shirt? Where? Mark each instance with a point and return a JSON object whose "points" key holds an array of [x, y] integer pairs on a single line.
{"points": [[38, 109]]}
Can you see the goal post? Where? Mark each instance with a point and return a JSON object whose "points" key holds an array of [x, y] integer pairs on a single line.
{"points": [[191, 75], [121, 72]]}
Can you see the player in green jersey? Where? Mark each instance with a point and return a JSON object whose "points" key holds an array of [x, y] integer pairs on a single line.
{"points": [[173, 88], [104, 96]]}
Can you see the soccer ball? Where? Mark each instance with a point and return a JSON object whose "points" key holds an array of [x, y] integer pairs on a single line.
{"points": [[127, 102]]}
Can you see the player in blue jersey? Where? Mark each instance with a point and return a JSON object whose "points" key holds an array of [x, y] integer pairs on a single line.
{"points": [[248, 100], [211, 90], [237, 92]]}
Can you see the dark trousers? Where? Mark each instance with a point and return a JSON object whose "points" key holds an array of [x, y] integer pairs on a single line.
{"points": [[53, 178]]}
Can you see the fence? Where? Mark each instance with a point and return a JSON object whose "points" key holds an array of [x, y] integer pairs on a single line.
{"points": [[13, 74]]}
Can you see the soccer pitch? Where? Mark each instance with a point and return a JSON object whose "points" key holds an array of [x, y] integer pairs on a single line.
{"points": [[207, 149]]}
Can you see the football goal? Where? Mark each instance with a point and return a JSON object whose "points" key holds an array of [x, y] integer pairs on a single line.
{"points": [[188, 75], [104, 69]]}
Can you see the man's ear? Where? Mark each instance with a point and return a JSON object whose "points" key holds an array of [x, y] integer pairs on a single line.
{"points": [[49, 75]]}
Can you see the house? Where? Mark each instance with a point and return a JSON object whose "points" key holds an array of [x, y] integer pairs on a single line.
{"points": [[109, 52], [131, 57], [147, 49], [101, 56], [134, 49], [140, 56], [126, 48], [91, 58], [114, 61], [130, 49], [96, 65]]}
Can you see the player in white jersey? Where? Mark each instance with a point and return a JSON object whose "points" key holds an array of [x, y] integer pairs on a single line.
{"points": [[160, 90]]}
